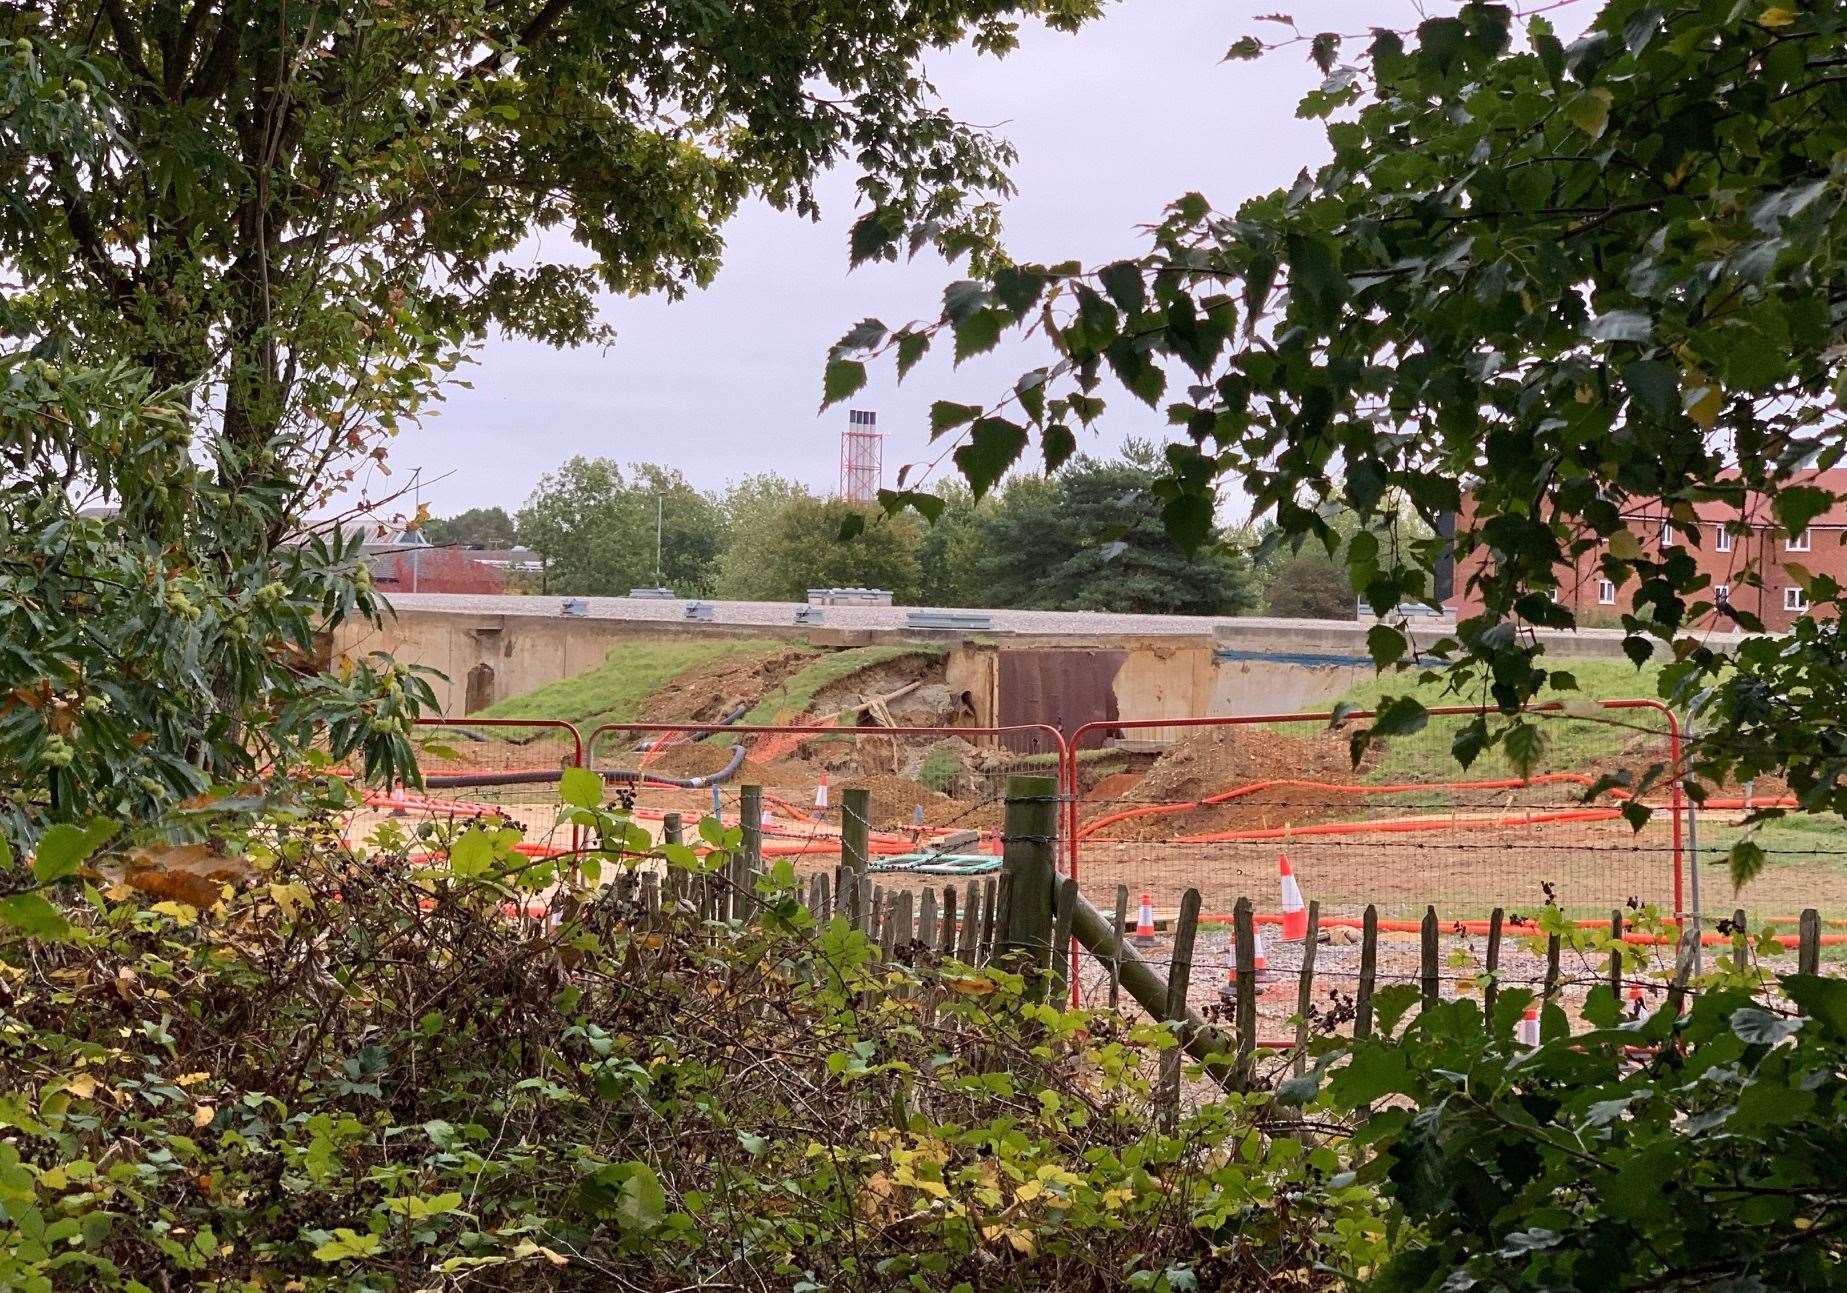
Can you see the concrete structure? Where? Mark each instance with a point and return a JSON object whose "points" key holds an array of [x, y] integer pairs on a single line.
{"points": [[1124, 666], [1730, 544]]}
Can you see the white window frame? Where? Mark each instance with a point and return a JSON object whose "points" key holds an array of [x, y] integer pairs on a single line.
{"points": [[1800, 543], [1794, 599], [1667, 533], [1606, 593], [1721, 594], [1722, 539]]}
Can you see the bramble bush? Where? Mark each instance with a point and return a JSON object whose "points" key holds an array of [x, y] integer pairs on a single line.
{"points": [[354, 1070]]}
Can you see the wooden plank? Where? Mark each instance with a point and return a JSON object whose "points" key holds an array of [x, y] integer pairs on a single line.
{"points": [[1369, 970], [1305, 992], [1492, 991], [984, 934], [1179, 977], [824, 908], [926, 919], [863, 913], [1429, 959], [1115, 960], [887, 905], [946, 931], [900, 919], [1063, 909], [1552, 950], [1808, 943], [651, 897], [1003, 903], [672, 832], [971, 923], [1244, 994]]}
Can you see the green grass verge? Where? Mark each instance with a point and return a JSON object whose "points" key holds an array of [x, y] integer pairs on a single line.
{"points": [[615, 690], [1570, 742], [797, 692]]}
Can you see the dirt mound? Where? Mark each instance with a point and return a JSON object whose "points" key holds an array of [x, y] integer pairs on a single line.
{"points": [[1213, 759], [708, 693], [923, 707]]}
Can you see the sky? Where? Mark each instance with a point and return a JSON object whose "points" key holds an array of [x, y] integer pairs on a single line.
{"points": [[1111, 124]]}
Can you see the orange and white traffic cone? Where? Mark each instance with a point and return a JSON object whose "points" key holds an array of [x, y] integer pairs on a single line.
{"points": [[1260, 970], [1638, 1001], [1144, 922], [1295, 911], [820, 793], [1527, 1034]]}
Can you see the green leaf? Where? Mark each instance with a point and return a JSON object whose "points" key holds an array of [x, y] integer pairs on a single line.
{"points": [[347, 1245], [1187, 517], [867, 334], [978, 333], [1761, 1028], [1059, 444], [473, 852], [642, 1203], [1525, 744], [1589, 111], [912, 346], [64, 848], [581, 788], [1747, 861], [994, 445], [1821, 999], [945, 415], [1376, 1069], [1655, 386], [1123, 282], [31, 915], [1385, 644], [1030, 391], [842, 378], [961, 299], [1797, 505], [1400, 716], [852, 525]]}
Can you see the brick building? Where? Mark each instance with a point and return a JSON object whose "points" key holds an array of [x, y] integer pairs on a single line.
{"points": [[1732, 543], [421, 568]]}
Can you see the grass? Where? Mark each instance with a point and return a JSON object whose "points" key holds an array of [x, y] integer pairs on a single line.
{"points": [[797, 692], [1571, 742], [1798, 839], [615, 690]]}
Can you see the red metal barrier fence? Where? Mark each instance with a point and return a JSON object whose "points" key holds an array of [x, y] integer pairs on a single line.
{"points": [[1226, 798], [936, 794]]}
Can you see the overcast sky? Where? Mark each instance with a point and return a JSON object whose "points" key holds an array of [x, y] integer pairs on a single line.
{"points": [[1110, 124]]}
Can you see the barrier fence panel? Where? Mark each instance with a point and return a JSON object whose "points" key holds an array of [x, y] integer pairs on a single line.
{"points": [[1219, 805], [935, 794], [478, 766]]}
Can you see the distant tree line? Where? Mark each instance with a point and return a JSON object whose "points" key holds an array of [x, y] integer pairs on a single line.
{"points": [[1088, 538]]}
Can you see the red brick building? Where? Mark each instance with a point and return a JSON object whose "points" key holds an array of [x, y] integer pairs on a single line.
{"points": [[420, 568], [1732, 544]]}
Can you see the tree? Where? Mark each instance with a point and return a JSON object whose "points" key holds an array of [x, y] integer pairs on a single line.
{"points": [[1576, 276], [753, 511], [1091, 538], [286, 223], [950, 550], [595, 526], [478, 527], [805, 550], [1310, 586]]}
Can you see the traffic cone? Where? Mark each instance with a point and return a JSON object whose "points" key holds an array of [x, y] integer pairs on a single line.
{"points": [[1260, 966], [820, 793], [1527, 1034], [1638, 1001], [1144, 922], [1295, 911]]}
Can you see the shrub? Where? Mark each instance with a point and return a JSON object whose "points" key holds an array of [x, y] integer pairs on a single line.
{"points": [[354, 1073], [939, 769]]}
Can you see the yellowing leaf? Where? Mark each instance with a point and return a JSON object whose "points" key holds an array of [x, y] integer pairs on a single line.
{"points": [[202, 1115], [1624, 546], [1702, 403], [190, 1079], [972, 986], [182, 913], [1590, 111], [1776, 16], [83, 1086]]}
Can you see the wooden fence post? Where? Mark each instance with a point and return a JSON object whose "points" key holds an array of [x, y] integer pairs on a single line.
{"points": [[1492, 991], [676, 878], [855, 829], [1027, 845], [1305, 993], [1179, 976], [1369, 970], [1808, 943], [1064, 906], [1616, 954], [750, 822], [1429, 947], [1244, 995]]}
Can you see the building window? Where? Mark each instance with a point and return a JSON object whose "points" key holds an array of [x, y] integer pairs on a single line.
{"points": [[1798, 544], [1794, 599], [1606, 593], [1722, 594], [1721, 539], [1667, 533]]}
